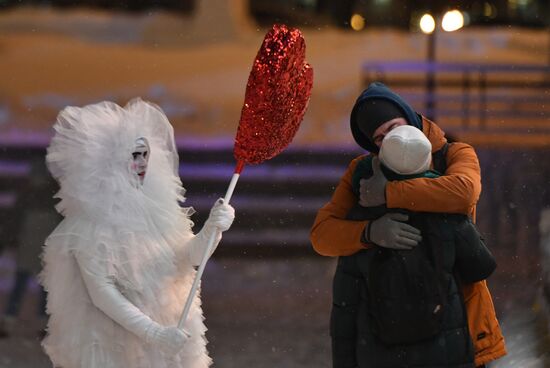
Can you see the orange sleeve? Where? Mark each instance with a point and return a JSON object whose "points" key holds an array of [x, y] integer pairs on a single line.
{"points": [[332, 235], [455, 192]]}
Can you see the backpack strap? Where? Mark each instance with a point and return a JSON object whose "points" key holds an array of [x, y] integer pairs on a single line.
{"points": [[439, 238], [439, 159]]}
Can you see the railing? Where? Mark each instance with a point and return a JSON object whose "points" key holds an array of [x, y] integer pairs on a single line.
{"points": [[471, 95], [276, 202]]}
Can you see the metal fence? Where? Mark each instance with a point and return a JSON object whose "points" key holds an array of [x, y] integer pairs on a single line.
{"points": [[468, 95]]}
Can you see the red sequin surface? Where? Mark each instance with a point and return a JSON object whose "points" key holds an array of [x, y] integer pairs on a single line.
{"points": [[276, 98]]}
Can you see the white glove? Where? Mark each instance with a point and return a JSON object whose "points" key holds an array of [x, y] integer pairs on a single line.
{"points": [[170, 340], [107, 298], [221, 216], [220, 219]]}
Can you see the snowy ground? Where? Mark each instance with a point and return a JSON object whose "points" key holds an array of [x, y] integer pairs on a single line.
{"points": [[274, 313]]}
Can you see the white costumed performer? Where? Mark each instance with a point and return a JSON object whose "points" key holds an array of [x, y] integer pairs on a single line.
{"points": [[119, 266]]}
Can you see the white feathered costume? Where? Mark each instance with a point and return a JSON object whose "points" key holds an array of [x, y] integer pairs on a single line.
{"points": [[120, 265]]}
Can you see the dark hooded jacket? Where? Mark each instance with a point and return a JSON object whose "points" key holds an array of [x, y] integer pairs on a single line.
{"points": [[379, 90], [463, 254]]}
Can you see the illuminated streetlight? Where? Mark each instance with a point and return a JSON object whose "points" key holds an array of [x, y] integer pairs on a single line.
{"points": [[357, 22], [427, 23], [452, 20]]}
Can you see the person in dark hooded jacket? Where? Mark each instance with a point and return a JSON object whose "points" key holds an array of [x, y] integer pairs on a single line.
{"points": [[426, 277], [377, 111]]}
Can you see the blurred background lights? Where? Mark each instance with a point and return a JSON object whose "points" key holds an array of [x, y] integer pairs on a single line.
{"points": [[427, 23], [452, 21], [357, 22], [467, 18], [490, 11]]}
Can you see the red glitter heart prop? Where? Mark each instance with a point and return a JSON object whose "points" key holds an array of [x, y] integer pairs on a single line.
{"points": [[276, 98]]}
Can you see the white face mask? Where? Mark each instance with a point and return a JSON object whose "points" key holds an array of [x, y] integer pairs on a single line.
{"points": [[140, 158]]}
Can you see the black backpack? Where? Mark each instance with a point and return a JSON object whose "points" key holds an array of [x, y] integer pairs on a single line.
{"points": [[407, 290]]}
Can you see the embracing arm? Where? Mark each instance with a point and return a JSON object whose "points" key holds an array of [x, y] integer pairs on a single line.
{"points": [[455, 192], [332, 234]]}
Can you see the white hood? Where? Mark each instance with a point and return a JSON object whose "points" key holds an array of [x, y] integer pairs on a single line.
{"points": [[91, 154]]}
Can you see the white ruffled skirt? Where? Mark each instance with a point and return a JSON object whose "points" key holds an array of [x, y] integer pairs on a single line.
{"points": [[82, 336]]}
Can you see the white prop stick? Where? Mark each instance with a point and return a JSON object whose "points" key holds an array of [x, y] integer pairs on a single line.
{"points": [[205, 256]]}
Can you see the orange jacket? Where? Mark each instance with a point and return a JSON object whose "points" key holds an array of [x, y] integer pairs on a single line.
{"points": [[455, 192]]}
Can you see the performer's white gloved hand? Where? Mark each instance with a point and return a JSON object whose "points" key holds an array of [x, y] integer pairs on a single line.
{"points": [[168, 339], [220, 219], [107, 298]]}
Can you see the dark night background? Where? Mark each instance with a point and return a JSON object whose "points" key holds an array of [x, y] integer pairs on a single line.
{"points": [[266, 294]]}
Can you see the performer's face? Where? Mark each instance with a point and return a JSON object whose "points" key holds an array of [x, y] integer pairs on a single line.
{"points": [[385, 128], [140, 158]]}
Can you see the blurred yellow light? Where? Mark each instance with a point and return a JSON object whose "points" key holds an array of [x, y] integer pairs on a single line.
{"points": [[490, 11], [467, 18], [427, 23], [452, 20], [357, 22]]}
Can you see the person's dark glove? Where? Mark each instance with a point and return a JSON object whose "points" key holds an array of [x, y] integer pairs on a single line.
{"points": [[372, 191], [390, 231]]}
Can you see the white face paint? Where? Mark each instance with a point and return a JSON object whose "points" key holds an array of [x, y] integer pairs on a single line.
{"points": [[140, 158]]}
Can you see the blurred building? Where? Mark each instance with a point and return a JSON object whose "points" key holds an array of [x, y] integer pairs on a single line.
{"points": [[393, 13], [400, 13], [183, 6]]}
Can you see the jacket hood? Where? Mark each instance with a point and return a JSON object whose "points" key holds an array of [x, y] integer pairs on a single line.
{"points": [[379, 90]]}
